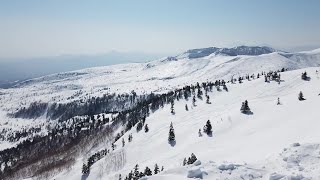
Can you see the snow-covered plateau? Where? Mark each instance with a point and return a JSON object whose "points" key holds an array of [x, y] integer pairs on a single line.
{"points": [[278, 140]]}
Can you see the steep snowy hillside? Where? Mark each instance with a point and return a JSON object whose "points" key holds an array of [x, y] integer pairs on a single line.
{"points": [[273, 142], [155, 76]]}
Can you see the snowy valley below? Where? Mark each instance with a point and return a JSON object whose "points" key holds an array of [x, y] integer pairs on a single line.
{"points": [[279, 139]]}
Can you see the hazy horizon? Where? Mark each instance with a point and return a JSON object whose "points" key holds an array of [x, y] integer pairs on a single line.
{"points": [[44, 37], [52, 28]]}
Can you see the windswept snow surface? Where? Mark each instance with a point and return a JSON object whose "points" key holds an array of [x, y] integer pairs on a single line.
{"points": [[275, 142]]}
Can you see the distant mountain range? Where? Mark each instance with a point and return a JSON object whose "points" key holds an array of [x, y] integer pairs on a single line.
{"points": [[235, 51]]}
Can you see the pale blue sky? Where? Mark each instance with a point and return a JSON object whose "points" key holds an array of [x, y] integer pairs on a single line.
{"points": [[36, 28]]}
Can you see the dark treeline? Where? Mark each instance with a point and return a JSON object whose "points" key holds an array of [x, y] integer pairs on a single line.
{"points": [[91, 106]]}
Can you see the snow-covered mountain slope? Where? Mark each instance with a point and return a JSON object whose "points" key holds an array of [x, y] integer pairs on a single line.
{"points": [[274, 142], [151, 76], [156, 76]]}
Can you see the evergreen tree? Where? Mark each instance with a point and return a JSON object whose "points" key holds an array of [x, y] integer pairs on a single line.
{"points": [[123, 142], [189, 161], [187, 109], [278, 103], [141, 174], [162, 168], [156, 169], [200, 134], [139, 126], [304, 76], [199, 93], [172, 107], [208, 100], [171, 137], [130, 175], [225, 87], [240, 80], [208, 128], [194, 101], [245, 107], [119, 176], [146, 128], [300, 96], [130, 137], [113, 146], [265, 78], [193, 158], [85, 169], [136, 172], [184, 162], [148, 171]]}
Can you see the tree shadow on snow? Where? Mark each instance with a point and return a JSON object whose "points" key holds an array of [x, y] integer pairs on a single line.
{"points": [[84, 177], [172, 143], [307, 79], [248, 113]]}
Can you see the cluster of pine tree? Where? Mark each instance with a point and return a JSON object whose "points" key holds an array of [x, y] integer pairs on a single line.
{"points": [[10, 135], [92, 159], [135, 174], [190, 160]]}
